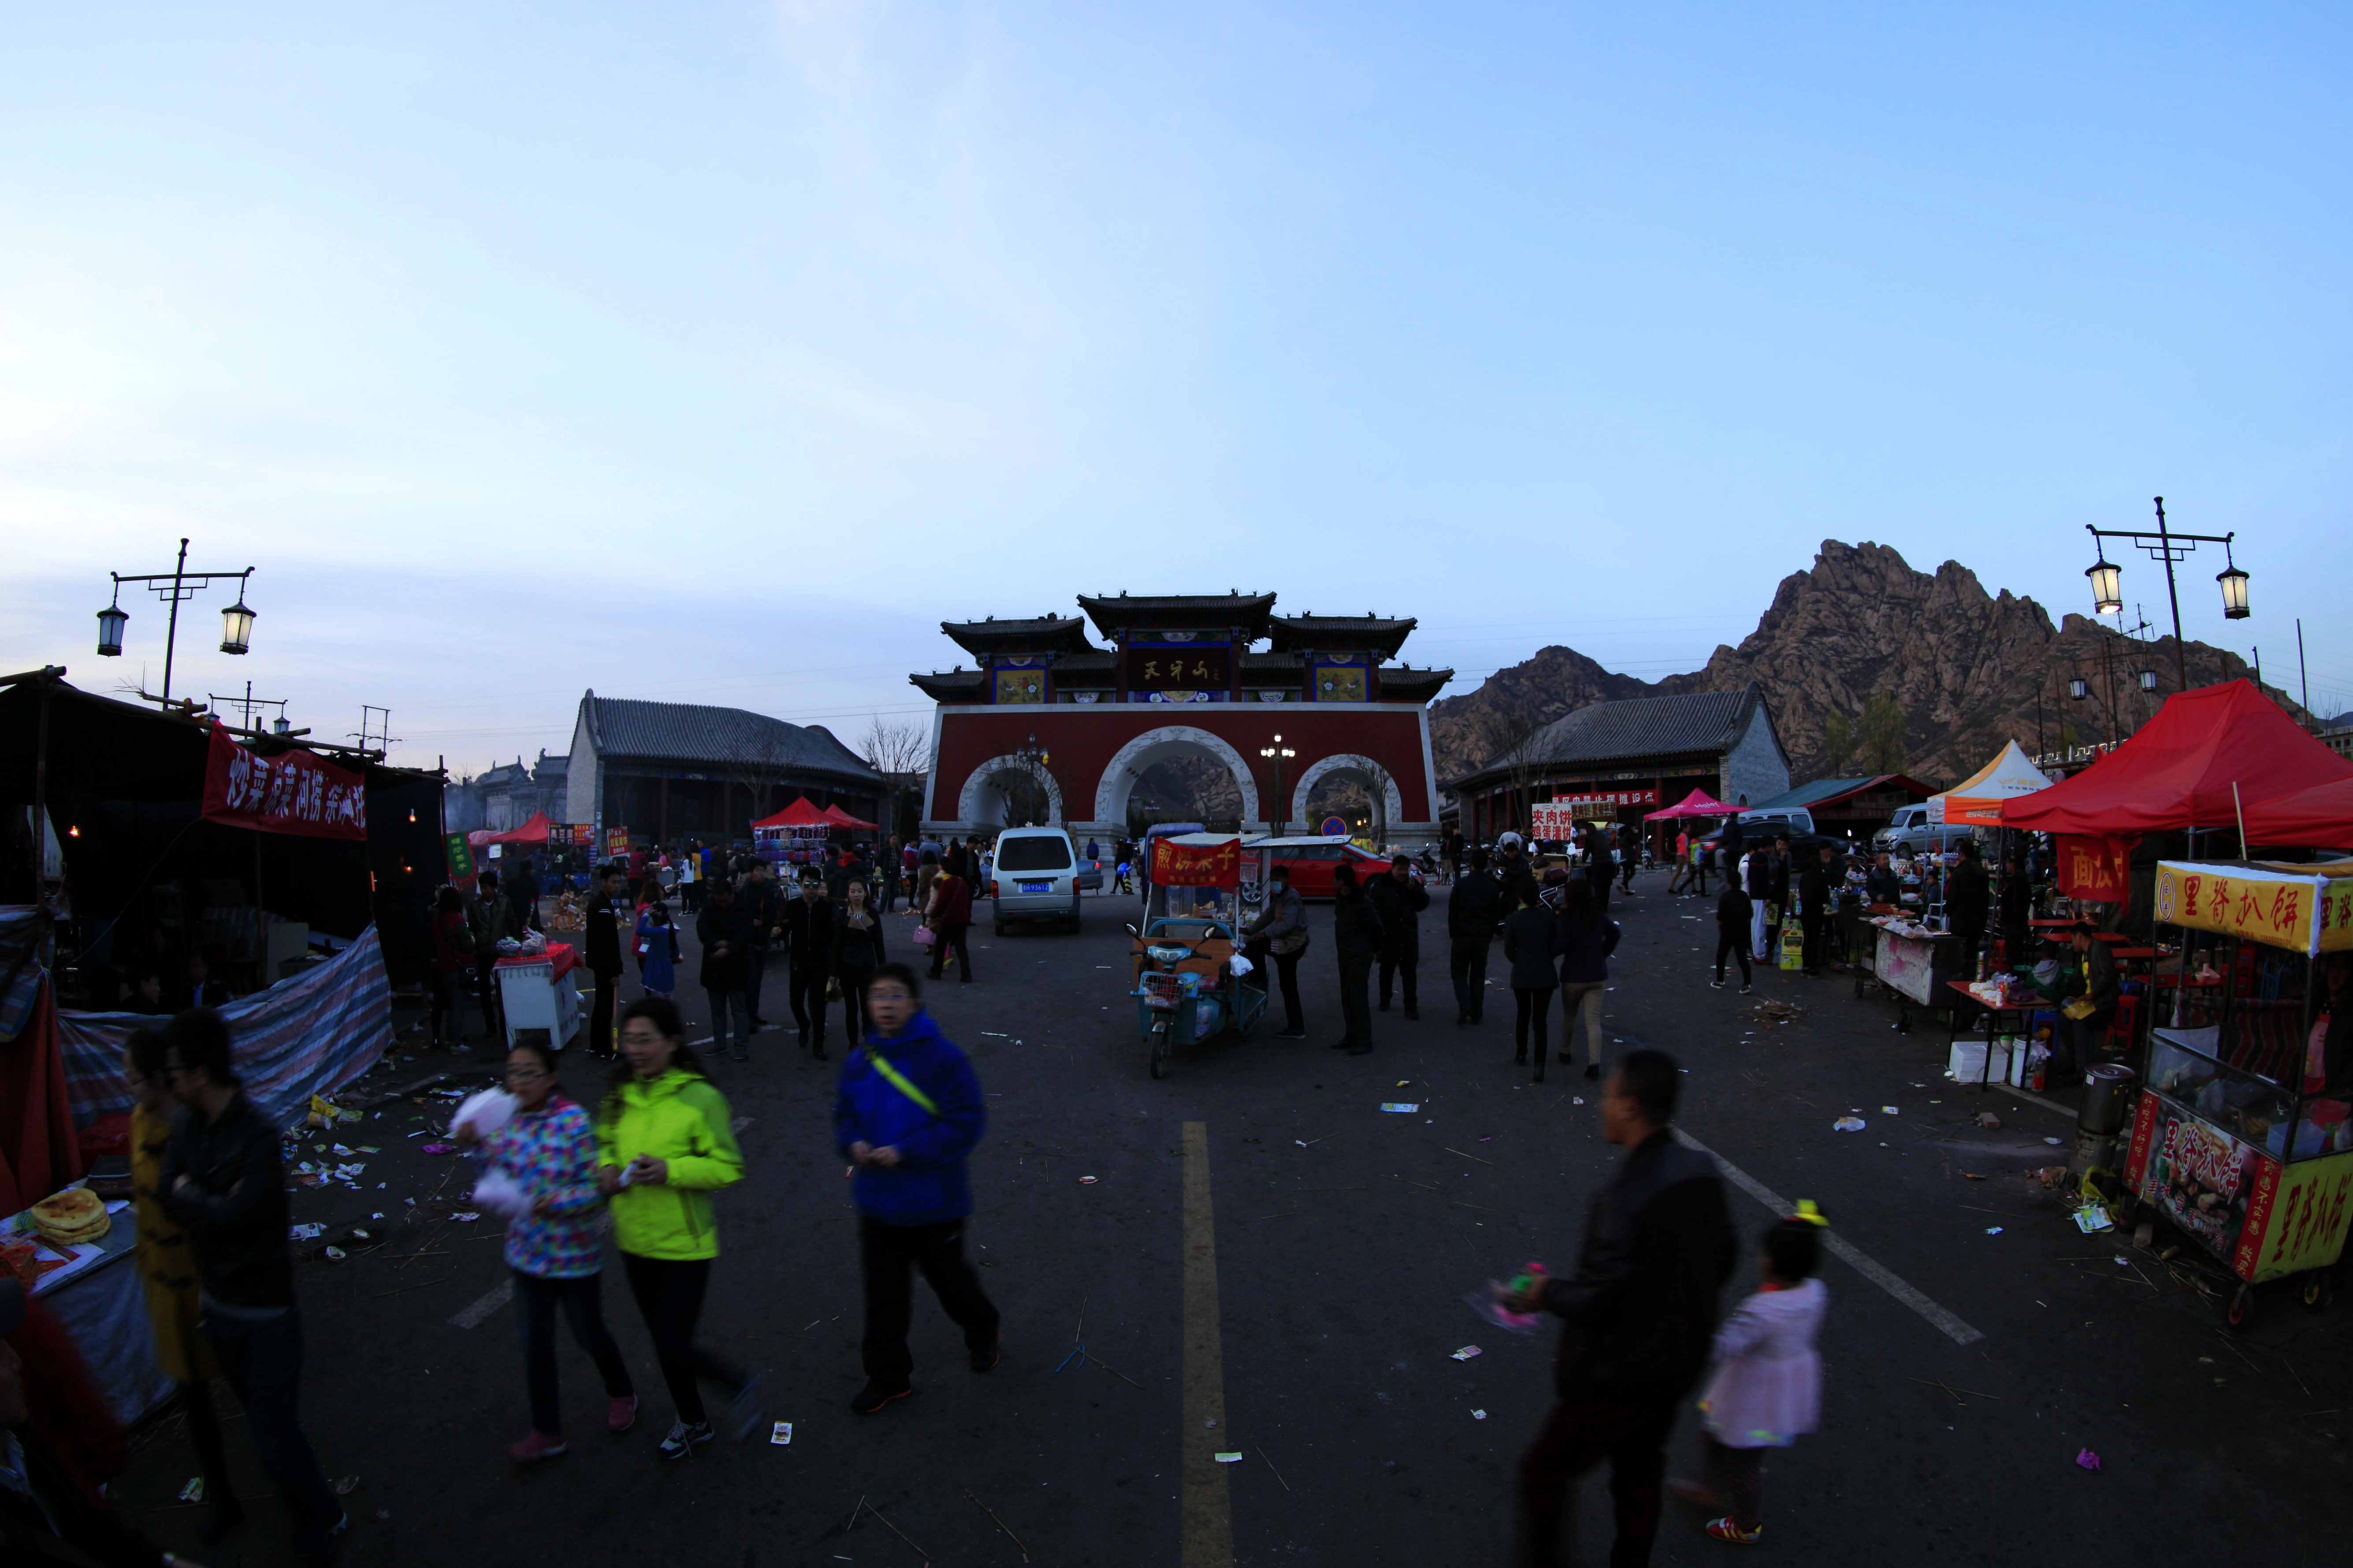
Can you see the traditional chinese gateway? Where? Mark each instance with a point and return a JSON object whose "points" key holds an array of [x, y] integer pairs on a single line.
{"points": [[1185, 675]]}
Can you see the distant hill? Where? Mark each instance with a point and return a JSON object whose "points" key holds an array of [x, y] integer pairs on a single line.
{"points": [[1966, 667]]}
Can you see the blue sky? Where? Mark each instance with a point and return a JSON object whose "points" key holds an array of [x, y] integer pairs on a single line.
{"points": [[716, 352]]}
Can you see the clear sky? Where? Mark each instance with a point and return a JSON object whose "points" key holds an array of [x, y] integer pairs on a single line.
{"points": [[717, 350]]}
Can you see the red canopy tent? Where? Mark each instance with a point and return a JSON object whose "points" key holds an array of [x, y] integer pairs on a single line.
{"points": [[532, 832], [1699, 803], [2179, 771], [801, 813], [841, 819], [2319, 817]]}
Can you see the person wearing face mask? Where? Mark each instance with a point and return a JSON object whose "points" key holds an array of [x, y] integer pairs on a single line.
{"points": [[906, 1113]]}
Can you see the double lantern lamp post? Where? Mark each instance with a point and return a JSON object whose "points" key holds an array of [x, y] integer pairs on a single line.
{"points": [[1277, 754], [174, 588], [2107, 586]]}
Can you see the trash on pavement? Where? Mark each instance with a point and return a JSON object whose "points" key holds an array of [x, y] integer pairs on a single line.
{"points": [[1466, 1354], [1229, 1458], [1989, 1120], [1848, 1124], [440, 1148], [1888, 1111], [346, 1486], [782, 1434], [1086, 1181], [336, 1255], [2052, 1142], [194, 1490], [1478, 1415], [466, 1218], [1401, 1107], [2087, 1459], [1993, 1230], [2093, 1217], [304, 1232]]}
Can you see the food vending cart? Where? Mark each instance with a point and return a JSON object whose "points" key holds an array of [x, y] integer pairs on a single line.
{"points": [[2241, 1137], [536, 993]]}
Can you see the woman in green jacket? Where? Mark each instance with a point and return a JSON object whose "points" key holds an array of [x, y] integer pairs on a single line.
{"points": [[663, 1147]]}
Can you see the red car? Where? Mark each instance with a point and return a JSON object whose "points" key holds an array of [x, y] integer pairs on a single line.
{"points": [[1313, 861]]}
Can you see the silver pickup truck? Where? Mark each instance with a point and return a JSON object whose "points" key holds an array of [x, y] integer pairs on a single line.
{"points": [[1910, 833]]}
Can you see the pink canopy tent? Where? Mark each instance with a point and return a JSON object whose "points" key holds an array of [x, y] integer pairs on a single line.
{"points": [[1699, 803], [801, 813]]}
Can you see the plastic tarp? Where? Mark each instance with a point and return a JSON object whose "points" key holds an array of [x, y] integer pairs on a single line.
{"points": [[801, 813], [2320, 817], [1976, 801], [1699, 803], [2179, 771]]}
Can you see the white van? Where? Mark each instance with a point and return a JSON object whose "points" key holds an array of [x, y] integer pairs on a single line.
{"points": [[1036, 878]]}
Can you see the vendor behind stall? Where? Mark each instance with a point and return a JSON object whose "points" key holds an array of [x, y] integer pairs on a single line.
{"points": [[2076, 1038]]}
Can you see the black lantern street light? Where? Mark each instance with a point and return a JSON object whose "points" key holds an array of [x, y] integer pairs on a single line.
{"points": [[247, 704], [176, 587], [2078, 688], [2170, 548], [1033, 757], [1276, 754]]}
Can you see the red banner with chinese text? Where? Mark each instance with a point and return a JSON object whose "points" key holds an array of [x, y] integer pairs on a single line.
{"points": [[1176, 865], [296, 792], [2095, 868]]}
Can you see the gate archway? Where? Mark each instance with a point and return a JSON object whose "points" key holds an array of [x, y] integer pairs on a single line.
{"points": [[984, 802], [1388, 803], [1128, 763]]}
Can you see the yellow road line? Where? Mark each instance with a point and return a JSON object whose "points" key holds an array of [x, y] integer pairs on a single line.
{"points": [[1204, 1519]]}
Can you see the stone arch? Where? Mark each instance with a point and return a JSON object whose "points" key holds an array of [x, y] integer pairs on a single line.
{"points": [[977, 790], [1385, 790], [1130, 761]]}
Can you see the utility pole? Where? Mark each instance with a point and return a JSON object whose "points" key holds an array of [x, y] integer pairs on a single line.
{"points": [[2303, 681]]}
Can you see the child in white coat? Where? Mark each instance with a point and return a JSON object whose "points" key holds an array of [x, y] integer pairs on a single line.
{"points": [[1768, 1385]]}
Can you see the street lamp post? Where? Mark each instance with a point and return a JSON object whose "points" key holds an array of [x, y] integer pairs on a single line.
{"points": [[2168, 547], [281, 725], [1275, 753], [1031, 755], [174, 588]]}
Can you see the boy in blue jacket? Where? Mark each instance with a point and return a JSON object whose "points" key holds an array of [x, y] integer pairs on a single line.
{"points": [[906, 1112]]}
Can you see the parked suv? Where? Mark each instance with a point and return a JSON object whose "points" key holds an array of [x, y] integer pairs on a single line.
{"points": [[1036, 878], [1910, 833]]}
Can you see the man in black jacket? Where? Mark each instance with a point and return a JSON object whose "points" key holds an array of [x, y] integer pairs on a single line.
{"points": [[1356, 940], [1968, 904], [1473, 910], [761, 903], [725, 934], [808, 923], [1816, 884], [1398, 898], [222, 1184], [609, 915], [1639, 1313]]}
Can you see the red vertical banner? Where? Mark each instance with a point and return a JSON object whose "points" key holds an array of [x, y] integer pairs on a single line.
{"points": [[296, 792], [2095, 868]]}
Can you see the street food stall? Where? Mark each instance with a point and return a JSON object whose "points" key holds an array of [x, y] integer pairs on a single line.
{"points": [[796, 836], [2241, 1135], [537, 994], [1913, 962], [1189, 971]]}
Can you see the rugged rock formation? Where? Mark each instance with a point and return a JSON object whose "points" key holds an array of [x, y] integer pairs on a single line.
{"points": [[1966, 666]]}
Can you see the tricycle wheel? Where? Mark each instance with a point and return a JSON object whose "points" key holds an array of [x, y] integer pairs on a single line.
{"points": [[2317, 1291], [1160, 1049], [2239, 1311]]}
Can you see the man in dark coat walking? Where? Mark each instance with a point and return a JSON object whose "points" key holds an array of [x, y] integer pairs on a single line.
{"points": [[1356, 933], [808, 925], [724, 933], [1816, 884], [1398, 898], [1473, 910], [761, 903], [609, 915], [1638, 1316]]}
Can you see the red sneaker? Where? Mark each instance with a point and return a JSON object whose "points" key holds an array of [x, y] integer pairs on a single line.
{"points": [[1725, 1530], [621, 1414], [538, 1446]]}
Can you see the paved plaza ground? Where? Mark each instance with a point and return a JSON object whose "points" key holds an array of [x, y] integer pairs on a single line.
{"points": [[1966, 1368]]}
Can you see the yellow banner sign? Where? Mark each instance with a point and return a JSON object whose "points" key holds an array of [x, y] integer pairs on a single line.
{"points": [[2301, 1222], [2302, 913]]}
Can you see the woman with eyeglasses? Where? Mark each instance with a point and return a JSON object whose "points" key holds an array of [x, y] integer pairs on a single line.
{"points": [[555, 1247]]}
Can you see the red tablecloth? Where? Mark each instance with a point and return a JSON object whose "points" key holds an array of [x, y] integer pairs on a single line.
{"points": [[562, 954]]}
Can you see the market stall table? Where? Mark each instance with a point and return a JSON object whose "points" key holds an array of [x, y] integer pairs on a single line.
{"points": [[1911, 963], [2016, 1061], [537, 998], [102, 1304]]}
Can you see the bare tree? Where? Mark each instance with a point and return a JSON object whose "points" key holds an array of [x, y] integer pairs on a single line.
{"points": [[901, 753], [753, 757]]}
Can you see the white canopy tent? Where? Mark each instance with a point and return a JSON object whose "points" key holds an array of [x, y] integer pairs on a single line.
{"points": [[1976, 801]]}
